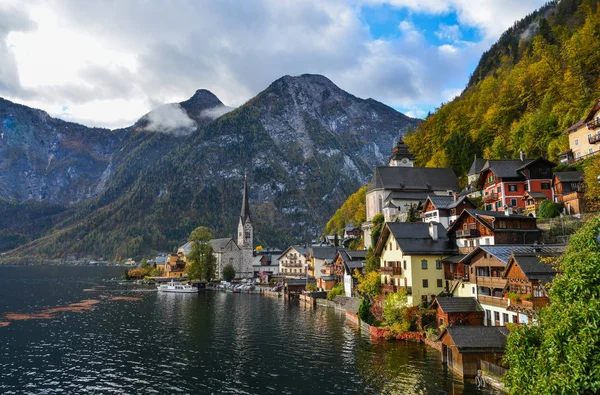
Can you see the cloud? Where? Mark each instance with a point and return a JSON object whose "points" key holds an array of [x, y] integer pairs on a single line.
{"points": [[216, 112], [87, 57], [448, 32], [170, 119]]}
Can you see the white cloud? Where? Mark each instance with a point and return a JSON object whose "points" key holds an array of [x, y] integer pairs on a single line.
{"points": [[109, 63], [171, 119], [448, 32]]}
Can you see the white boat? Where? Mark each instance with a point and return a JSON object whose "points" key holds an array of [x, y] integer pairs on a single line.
{"points": [[177, 288]]}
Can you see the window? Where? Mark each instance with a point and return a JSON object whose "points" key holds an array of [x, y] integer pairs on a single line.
{"points": [[591, 150], [424, 264], [496, 317], [425, 283], [513, 202], [579, 155], [438, 264], [498, 204], [505, 318], [545, 185], [488, 207], [439, 283], [526, 187], [473, 290], [404, 264], [514, 319], [488, 315], [397, 246], [512, 187], [499, 189], [576, 142]]}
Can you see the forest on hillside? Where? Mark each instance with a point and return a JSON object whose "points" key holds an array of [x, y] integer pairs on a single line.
{"points": [[536, 87]]}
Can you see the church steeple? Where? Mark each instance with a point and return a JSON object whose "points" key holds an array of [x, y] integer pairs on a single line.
{"points": [[401, 156], [245, 214], [245, 229]]}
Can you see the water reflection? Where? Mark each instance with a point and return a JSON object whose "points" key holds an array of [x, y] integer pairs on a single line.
{"points": [[212, 342]]}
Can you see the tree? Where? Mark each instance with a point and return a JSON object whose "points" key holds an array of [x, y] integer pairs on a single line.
{"points": [[372, 262], [335, 291], [201, 260], [592, 186], [561, 354], [258, 249], [369, 284], [228, 272], [549, 209], [378, 222], [395, 307], [364, 312]]}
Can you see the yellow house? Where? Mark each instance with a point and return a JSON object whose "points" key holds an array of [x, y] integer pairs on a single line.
{"points": [[411, 259], [584, 137], [175, 266]]}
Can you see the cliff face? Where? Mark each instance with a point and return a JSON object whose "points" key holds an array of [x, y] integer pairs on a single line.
{"points": [[305, 144]]}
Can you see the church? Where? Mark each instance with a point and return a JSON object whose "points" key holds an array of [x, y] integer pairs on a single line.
{"points": [[227, 251]]}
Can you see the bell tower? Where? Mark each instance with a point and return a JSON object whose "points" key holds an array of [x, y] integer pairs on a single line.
{"points": [[245, 229]]}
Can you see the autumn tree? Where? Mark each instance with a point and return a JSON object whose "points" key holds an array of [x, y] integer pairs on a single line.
{"points": [[369, 284]]}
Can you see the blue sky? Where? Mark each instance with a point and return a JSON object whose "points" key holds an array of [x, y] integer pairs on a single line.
{"points": [[107, 63]]}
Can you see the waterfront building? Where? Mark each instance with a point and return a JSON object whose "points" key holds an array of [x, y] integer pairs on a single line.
{"points": [[584, 137], [504, 182], [445, 209], [346, 262], [411, 255], [175, 266], [465, 347], [398, 187], [293, 262], [321, 262], [481, 274], [568, 189], [225, 251], [451, 311], [527, 277]]}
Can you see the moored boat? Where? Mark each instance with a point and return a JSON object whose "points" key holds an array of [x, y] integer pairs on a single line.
{"points": [[177, 288]]}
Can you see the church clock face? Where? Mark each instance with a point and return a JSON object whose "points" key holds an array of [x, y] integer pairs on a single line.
{"points": [[404, 161]]}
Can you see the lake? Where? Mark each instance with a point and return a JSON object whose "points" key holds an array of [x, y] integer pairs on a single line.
{"points": [[81, 330]]}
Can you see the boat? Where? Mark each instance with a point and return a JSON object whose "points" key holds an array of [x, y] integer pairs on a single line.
{"points": [[177, 288]]}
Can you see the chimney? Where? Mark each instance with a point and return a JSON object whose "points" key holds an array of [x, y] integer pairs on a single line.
{"points": [[433, 230], [455, 197], [522, 156]]}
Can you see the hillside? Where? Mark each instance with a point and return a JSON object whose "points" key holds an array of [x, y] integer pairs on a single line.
{"points": [[305, 143], [525, 97]]}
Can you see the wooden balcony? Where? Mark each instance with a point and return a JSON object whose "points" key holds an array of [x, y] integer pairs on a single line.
{"points": [[594, 138], [492, 301], [490, 197], [467, 233], [593, 124], [534, 303], [491, 282], [388, 288], [392, 271]]}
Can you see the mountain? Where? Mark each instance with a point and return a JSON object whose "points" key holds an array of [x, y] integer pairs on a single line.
{"points": [[539, 79], [305, 143]]}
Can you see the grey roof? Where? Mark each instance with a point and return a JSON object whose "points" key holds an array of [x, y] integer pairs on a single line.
{"points": [[356, 254], [328, 278], [407, 196], [414, 179], [569, 176], [458, 305], [454, 258], [327, 253], [506, 168], [476, 166], [534, 268], [414, 238], [440, 201], [503, 252], [459, 201], [216, 245], [478, 338], [300, 281], [355, 264], [537, 195], [245, 213], [301, 250], [497, 214], [160, 259]]}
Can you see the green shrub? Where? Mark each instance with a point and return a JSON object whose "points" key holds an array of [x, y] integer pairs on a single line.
{"points": [[311, 287], [394, 307], [364, 312], [549, 209], [335, 291]]}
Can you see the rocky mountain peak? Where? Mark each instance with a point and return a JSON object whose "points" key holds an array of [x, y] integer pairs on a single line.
{"points": [[201, 101]]}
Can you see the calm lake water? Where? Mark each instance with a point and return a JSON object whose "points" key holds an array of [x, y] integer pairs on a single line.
{"points": [[134, 340]]}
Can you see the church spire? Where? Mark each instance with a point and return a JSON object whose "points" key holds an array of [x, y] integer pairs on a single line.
{"points": [[245, 214]]}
